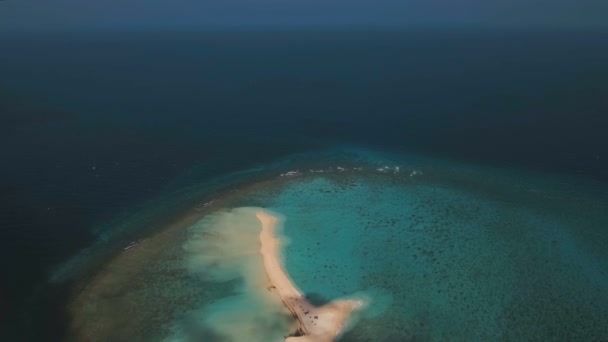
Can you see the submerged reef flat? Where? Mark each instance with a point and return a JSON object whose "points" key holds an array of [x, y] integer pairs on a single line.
{"points": [[460, 261], [138, 294], [436, 250]]}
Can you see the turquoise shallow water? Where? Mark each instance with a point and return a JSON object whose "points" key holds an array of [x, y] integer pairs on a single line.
{"points": [[442, 251], [457, 264]]}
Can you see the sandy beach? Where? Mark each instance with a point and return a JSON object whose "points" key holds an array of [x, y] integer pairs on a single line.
{"points": [[317, 324]]}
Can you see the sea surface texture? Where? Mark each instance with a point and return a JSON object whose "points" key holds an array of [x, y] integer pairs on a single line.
{"points": [[455, 179]]}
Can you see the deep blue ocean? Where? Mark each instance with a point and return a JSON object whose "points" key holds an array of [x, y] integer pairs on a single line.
{"points": [[93, 124]]}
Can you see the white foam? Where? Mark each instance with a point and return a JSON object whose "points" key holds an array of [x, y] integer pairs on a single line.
{"points": [[291, 173]]}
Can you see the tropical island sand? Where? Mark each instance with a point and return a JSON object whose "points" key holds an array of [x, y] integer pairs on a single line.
{"points": [[317, 324]]}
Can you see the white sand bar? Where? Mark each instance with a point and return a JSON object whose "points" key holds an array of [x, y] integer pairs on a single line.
{"points": [[318, 324]]}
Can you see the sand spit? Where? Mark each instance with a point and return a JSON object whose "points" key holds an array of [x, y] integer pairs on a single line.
{"points": [[318, 324]]}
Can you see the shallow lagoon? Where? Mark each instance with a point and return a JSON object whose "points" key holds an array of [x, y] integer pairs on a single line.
{"points": [[441, 250]]}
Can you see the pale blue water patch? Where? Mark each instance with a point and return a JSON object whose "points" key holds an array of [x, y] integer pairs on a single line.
{"points": [[371, 236], [324, 240], [463, 257]]}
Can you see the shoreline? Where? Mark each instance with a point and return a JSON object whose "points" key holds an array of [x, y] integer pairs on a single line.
{"points": [[318, 324]]}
